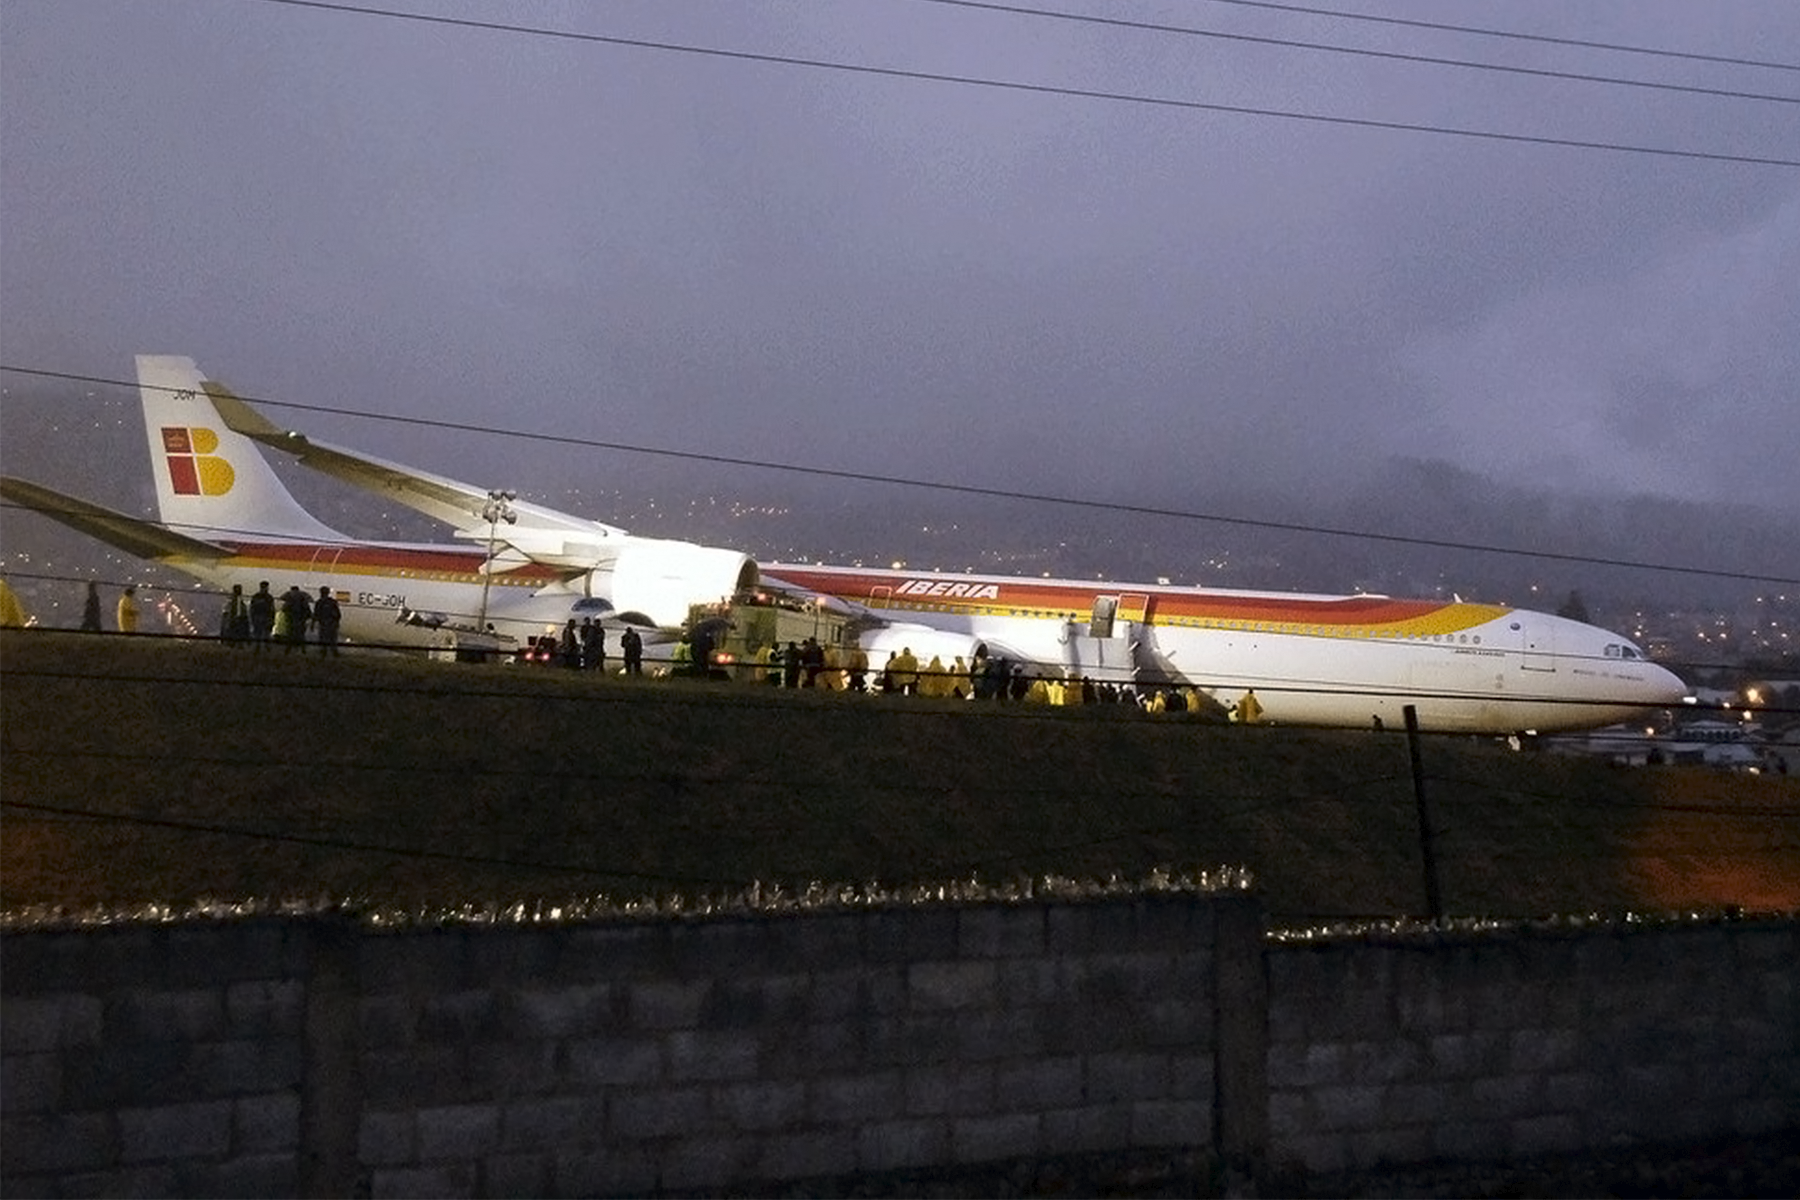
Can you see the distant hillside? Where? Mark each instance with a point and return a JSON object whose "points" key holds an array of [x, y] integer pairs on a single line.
{"points": [[167, 771]]}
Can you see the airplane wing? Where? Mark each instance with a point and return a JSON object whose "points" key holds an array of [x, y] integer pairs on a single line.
{"points": [[805, 595], [534, 529], [134, 535]]}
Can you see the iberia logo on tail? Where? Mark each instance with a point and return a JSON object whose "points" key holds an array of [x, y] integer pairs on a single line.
{"points": [[194, 470]]}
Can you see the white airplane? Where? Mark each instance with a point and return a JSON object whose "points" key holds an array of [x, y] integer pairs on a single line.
{"points": [[525, 569], [1354, 661], [227, 519]]}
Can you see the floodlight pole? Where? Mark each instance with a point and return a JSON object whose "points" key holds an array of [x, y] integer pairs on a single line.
{"points": [[497, 509]]}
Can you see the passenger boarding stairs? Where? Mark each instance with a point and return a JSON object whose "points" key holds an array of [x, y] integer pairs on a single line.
{"points": [[1116, 645]]}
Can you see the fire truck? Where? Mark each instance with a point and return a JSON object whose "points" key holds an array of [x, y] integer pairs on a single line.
{"points": [[736, 631]]}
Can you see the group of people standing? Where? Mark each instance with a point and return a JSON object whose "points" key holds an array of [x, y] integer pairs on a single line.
{"points": [[263, 619], [583, 647], [125, 614], [981, 677], [260, 620], [809, 664]]}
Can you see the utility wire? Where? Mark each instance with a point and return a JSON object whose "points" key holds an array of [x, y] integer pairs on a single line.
{"points": [[1207, 816], [63, 812], [1522, 37], [1041, 88], [353, 846], [1361, 52], [956, 488], [702, 785], [207, 827], [1783, 814]]}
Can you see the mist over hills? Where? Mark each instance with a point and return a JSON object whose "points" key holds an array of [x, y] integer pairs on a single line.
{"points": [[92, 444]]}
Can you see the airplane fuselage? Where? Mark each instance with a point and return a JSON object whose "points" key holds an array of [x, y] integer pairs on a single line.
{"points": [[1312, 659], [404, 594], [1315, 660]]}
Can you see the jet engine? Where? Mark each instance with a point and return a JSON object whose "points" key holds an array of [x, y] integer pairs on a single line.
{"points": [[924, 641], [660, 580]]}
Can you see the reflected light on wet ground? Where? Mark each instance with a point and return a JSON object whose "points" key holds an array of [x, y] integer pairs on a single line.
{"points": [[1713, 839]]}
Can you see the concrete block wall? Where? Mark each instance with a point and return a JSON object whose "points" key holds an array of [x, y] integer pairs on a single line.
{"points": [[688, 1056], [153, 1060], [1529, 1043], [318, 1057], [274, 1058]]}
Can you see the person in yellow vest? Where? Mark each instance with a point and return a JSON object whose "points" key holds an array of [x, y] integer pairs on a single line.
{"points": [[1038, 692], [933, 683], [833, 675], [1250, 709], [12, 613], [858, 668], [128, 609], [906, 672]]}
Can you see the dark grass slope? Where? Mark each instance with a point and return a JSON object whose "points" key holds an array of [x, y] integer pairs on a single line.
{"points": [[180, 771]]}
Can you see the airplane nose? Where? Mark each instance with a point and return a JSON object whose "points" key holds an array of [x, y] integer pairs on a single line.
{"points": [[1663, 686]]}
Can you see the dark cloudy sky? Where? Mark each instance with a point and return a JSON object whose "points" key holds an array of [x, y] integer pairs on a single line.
{"points": [[925, 278]]}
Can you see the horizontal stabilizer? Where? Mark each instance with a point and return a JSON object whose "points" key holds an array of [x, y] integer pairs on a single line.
{"points": [[134, 535]]}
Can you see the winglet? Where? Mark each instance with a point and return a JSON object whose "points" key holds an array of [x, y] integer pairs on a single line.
{"points": [[241, 418]]}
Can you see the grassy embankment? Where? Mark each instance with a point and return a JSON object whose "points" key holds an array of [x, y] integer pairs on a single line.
{"points": [[227, 775]]}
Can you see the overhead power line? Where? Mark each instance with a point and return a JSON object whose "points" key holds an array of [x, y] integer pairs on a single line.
{"points": [[1040, 88], [357, 846], [347, 844], [1548, 39], [966, 489], [1743, 812], [1358, 51]]}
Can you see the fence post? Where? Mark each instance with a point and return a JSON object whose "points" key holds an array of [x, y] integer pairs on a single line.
{"points": [[331, 1085], [1240, 1034]]}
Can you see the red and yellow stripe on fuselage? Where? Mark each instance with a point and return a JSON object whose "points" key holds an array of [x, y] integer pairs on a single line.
{"points": [[446, 564], [373, 580], [1062, 600]]}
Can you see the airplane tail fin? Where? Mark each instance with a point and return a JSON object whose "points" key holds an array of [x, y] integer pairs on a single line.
{"points": [[210, 480]]}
